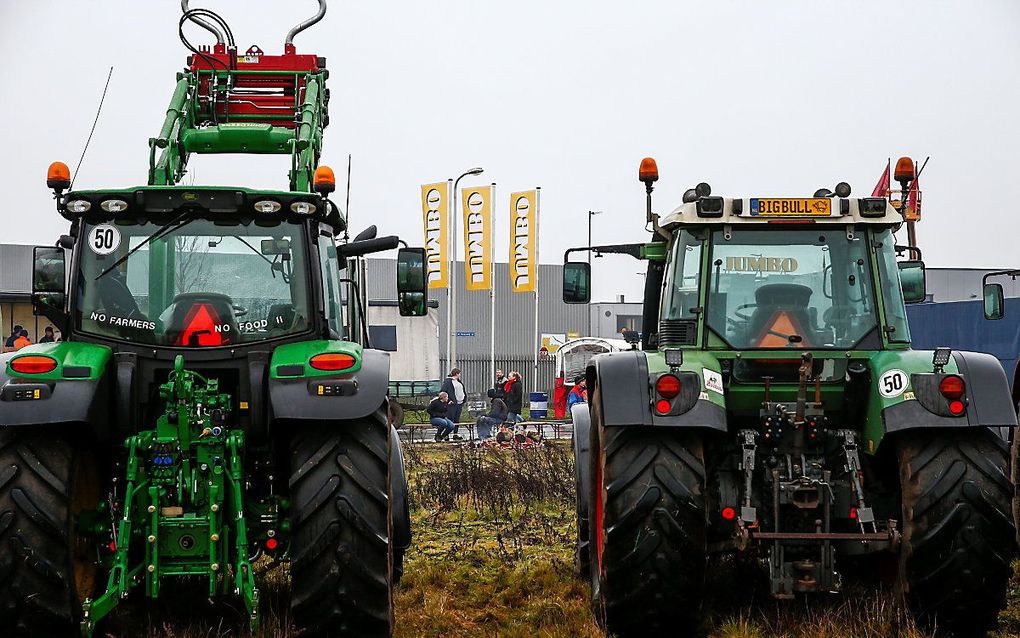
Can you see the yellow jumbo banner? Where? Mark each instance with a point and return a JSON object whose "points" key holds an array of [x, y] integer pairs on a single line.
{"points": [[524, 241], [477, 206], [435, 208]]}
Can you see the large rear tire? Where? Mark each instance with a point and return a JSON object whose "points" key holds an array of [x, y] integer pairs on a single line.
{"points": [[341, 569], [648, 527], [46, 568], [958, 533], [581, 442]]}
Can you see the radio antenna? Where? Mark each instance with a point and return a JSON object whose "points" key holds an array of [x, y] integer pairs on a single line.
{"points": [[96, 121], [347, 204]]}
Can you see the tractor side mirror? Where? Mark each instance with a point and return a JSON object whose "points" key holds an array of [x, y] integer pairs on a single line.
{"points": [[412, 291], [912, 281], [994, 301], [48, 290], [577, 282]]}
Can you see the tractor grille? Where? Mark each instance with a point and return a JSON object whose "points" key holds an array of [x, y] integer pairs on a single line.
{"points": [[675, 332]]}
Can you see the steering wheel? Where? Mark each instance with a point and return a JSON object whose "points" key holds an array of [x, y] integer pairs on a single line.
{"points": [[117, 298], [740, 315]]}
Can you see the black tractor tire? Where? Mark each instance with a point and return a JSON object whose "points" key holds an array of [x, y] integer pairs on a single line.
{"points": [[958, 534], [46, 568], [401, 509], [581, 442], [341, 520], [648, 579]]}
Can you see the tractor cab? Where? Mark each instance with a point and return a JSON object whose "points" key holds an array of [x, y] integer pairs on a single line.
{"points": [[785, 273]]}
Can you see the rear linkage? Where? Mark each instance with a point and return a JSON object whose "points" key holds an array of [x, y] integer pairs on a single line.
{"points": [[183, 502], [800, 480]]}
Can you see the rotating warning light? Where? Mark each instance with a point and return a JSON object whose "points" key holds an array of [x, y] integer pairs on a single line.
{"points": [[58, 176], [324, 181], [648, 172], [904, 170]]}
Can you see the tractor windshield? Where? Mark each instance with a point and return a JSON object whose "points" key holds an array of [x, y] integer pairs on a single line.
{"points": [[793, 289], [195, 283]]}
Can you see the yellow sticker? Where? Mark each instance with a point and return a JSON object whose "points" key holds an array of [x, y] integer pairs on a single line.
{"points": [[909, 396], [321, 390], [244, 405], [38, 394]]}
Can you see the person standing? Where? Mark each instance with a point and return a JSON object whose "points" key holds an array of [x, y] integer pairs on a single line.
{"points": [[454, 388], [514, 396], [497, 391], [9, 342], [22, 340], [579, 394], [438, 409], [48, 337]]}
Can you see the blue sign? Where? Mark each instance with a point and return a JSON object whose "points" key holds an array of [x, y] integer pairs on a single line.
{"points": [[465, 334]]}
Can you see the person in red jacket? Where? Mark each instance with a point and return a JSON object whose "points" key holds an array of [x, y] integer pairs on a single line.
{"points": [[514, 396]]}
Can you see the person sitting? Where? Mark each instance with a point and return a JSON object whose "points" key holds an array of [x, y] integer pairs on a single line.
{"points": [[437, 410], [496, 416], [579, 394]]}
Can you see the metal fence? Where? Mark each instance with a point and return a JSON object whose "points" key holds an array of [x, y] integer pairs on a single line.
{"points": [[476, 373]]}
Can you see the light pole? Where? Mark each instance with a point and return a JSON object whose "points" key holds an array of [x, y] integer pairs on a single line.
{"points": [[451, 299], [591, 214]]}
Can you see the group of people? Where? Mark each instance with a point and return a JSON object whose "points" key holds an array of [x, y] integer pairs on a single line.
{"points": [[506, 402], [19, 338]]}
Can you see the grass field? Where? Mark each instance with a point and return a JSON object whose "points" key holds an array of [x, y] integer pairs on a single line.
{"points": [[493, 556]]}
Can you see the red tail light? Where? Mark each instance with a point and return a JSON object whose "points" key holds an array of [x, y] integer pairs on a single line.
{"points": [[952, 387], [272, 544], [668, 386], [332, 361], [729, 513], [662, 406], [33, 364], [957, 407]]}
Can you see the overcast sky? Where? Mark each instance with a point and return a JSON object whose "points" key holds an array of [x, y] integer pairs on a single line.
{"points": [[756, 98]]}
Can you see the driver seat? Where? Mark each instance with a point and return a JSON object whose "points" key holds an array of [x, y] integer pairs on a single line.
{"points": [[782, 311], [202, 319]]}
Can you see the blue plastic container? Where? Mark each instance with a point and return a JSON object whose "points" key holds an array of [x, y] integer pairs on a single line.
{"points": [[539, 405]]}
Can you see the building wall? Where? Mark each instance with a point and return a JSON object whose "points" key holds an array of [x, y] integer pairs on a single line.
{"points": [[20, 313], [515, 313]]}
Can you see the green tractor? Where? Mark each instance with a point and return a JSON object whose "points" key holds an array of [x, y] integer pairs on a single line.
{"points": [[777, 412], [216, 406]]}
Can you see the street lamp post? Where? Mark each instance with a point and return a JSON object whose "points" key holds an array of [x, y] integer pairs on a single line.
{"points": [[451, 298], [591, 214]]}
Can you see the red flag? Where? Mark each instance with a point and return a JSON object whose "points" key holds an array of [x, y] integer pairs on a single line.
{"points": [[882, 188]]}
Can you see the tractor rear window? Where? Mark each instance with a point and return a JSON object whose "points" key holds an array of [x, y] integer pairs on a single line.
{"points": [[193, 282], [795, 289]]}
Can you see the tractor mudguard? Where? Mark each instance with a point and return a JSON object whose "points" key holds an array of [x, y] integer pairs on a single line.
{"points": [[989, 400], [398, 490], [627, 401], [336, 397], [74, 393]]}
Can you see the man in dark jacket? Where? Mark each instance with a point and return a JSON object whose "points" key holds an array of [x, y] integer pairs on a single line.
{"points": [[496, 417], [497, 388], [454, 388], [514, 397], [437, 410]]}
